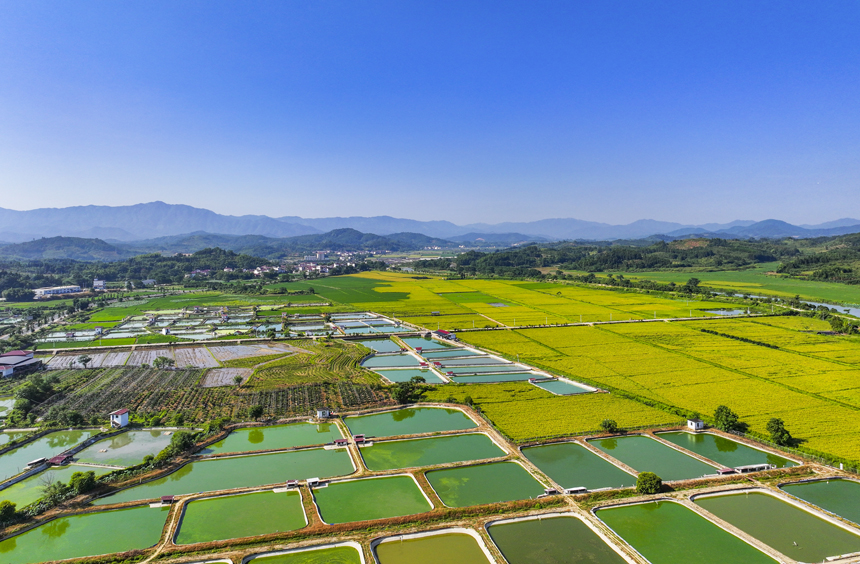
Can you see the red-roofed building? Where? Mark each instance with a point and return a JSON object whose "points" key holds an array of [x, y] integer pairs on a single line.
{"points": [[119, 418]]}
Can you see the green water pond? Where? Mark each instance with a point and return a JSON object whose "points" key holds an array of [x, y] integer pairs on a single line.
{"points": [[9, 437], [406, 374], [275, 437], [29, 490], [645, 454], [492, 378], [571, 466], [332, 555], [90, 534], [841, 497], [236, 516], [665, 532], [484, 483], [425, 344], [126, 449], [370, 498], [240, 471], [14, 461], [783, 526], [393, 455], [723, 451], [381, 345], [453, 547], [409, 421], [552, 540], [390, 360], [562, 387]]}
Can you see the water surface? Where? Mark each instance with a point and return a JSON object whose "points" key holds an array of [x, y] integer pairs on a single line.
{"points": [[241, 471], [410, 421], [485, 483], [783, 526], [126, 449], [90, 534], [236, 516], [665, 532], [644, 454], [406, 374], [552, 540], [452, 547], [723, 451], [841, 497], [562, 387], [410, 453], [573, 466], [332, 555], [29, 490], [14, 461], [370, 498], [276, 437]]}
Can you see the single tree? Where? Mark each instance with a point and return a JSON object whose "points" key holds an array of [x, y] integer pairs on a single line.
{"points": [[8, 510], [83, 482], [609, 426], [163, 362], [237, 379], [256, 411], [778, 433], [84, 359], [725, 419], [649, 483]]}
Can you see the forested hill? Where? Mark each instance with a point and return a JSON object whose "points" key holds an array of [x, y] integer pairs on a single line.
{"points": [[73, 248], [164, 270], [838, 260], [692, 253]]}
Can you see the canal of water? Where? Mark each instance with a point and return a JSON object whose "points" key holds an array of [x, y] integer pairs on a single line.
{"points": [[484, 483], [645, 454], [572, 466], [409, 453], [240, 471], [838, 496], [370, 498], [90, 534], [410, 421], [666, 532], [561, 539], [276, 437], [781, 525], [236, 516]]}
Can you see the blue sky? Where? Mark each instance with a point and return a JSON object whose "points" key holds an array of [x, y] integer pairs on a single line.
{"points": [[467, 111]]}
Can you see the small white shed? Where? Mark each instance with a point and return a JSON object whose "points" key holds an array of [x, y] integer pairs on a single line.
{"points": [[119, 418], [695, 424], [323, 413]]}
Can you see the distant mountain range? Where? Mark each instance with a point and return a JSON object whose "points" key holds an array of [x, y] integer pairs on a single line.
{"points": [[143, 222]]}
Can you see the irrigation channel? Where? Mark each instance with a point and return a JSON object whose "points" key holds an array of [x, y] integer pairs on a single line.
{"points": [[437, 483]]}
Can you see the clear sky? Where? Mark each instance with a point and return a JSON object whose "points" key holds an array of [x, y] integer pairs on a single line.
{"points": [[460, 110]]}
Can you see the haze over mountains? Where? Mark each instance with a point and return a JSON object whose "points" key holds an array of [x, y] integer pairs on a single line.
{"points": [[157, 219]]}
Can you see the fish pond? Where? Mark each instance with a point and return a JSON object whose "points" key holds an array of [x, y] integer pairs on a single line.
{"points": [[551, 540], [409, 453], [724, 451], [666, 532], [126, 449], [433, 549], [841, 497], [645, 454], [410, 421], [236, 516], [381, 345], [323, 555], [6, 438], [389, 360], [572, 466], [29, 490], [406, 374], [490, 378], [562, 387], [276, 437], [787, 528], [90, 534], [14, 461], [450, 353], [240, 471], [370, 498], [484, 483], [425, 344]]}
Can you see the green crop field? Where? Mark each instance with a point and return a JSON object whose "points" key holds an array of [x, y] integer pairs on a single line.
{"points": [[757, 281]]}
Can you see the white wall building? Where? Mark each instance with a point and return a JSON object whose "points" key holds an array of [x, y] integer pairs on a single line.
{"points": [[56, 290]]}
